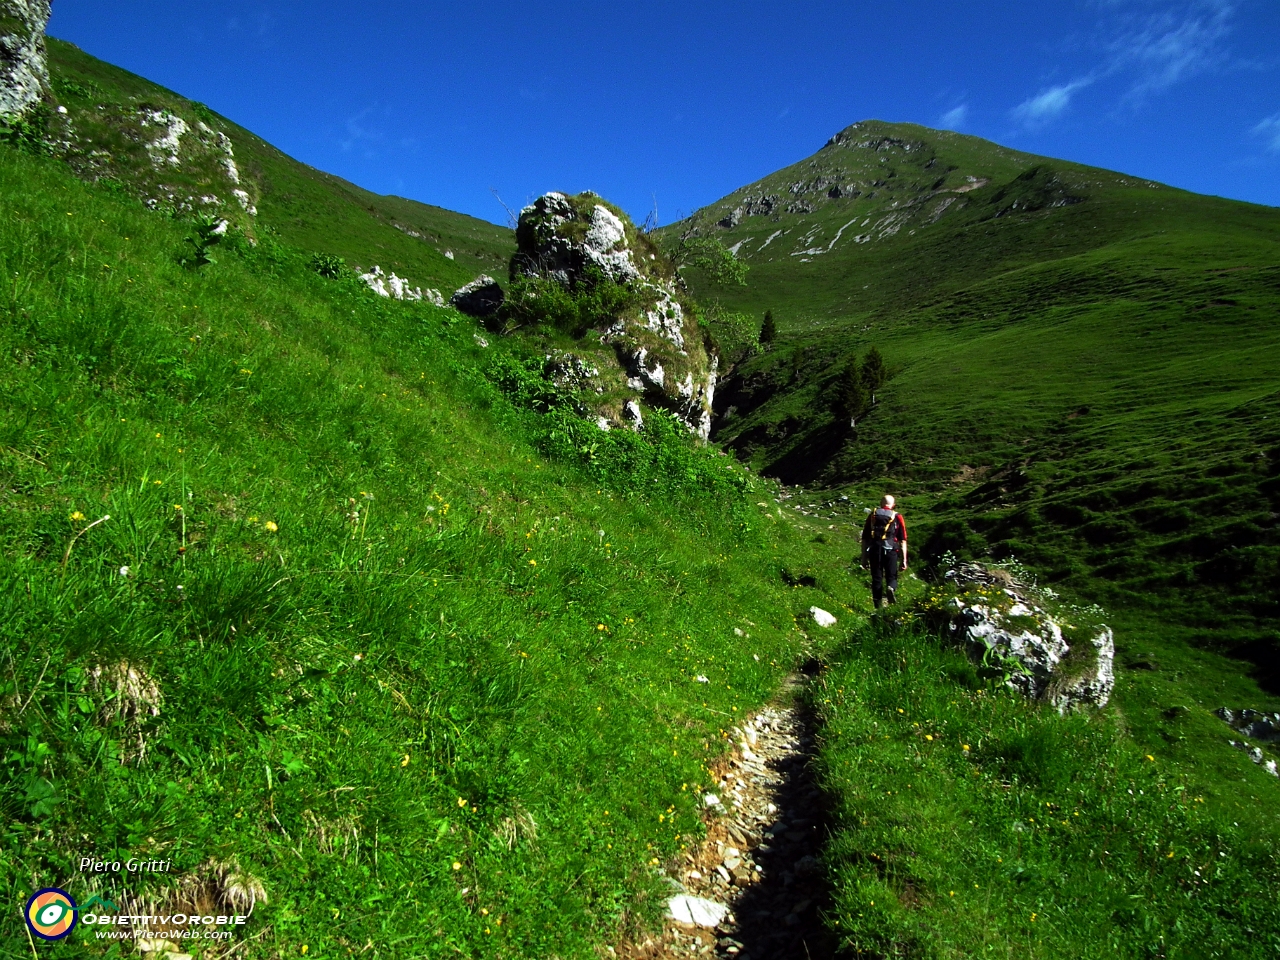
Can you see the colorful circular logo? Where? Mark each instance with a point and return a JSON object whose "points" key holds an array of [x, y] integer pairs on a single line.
{"points": [[51, 913]]}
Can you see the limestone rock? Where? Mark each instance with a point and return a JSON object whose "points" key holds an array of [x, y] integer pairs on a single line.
{"points": [[1252, 723], [822, 618], [24, 64], [546, 237], [480, 298], [582, 241], [631, 413], [696, 911], [568, 371], [392, 287], [998, 618]]}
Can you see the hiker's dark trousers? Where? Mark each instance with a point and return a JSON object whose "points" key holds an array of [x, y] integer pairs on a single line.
{"points": [[884, 572]]}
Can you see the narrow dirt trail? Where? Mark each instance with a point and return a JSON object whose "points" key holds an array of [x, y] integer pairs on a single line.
{"points": [[754, 888]]}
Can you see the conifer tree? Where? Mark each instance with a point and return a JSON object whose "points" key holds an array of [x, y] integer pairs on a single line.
{"points": [[849, 400], [768, 330], [873, 373]]}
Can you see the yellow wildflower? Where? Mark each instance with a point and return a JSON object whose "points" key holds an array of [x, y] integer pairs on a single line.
{"points": [[405, 761], [77, 516], [270, 526]]}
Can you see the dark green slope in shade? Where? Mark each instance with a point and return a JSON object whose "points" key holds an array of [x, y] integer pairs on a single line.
{"points": [[1086, 365], [305, 207]]}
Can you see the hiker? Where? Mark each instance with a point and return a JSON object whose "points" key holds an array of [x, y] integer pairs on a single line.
{"points": [[884, 546]]}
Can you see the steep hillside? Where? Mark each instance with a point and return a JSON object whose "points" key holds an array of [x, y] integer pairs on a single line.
{"points": [[174, 154], [294, 571], [1084, 364]]}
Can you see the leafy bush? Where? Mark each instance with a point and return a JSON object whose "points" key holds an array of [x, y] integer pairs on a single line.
{"points": [[327, 265], [29, 131], [209, 232], [595, 300], [734, 334], [708, 255]]}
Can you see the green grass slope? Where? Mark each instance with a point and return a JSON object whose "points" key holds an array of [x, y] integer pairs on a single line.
{"points": [[1084, 364], [302, 206], [418, 659]]}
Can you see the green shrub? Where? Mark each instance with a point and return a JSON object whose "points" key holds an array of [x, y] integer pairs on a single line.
{"points": [[327, 265], [593, 301]]}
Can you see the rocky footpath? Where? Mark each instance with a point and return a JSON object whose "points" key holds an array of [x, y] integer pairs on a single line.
{"points": [[1003, 622], [754, 889]]}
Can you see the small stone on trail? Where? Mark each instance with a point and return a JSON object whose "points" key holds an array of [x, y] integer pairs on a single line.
{"points": [[711, 800], [821, 617], [696, 911]]}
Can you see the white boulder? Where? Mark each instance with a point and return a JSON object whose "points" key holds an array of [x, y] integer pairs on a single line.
{"points": [[1005, 625], [822, 618], [696, 911]]}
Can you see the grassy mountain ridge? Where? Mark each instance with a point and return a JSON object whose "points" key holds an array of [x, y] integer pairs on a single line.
{"points": [[305, 207], [1084, 364]]}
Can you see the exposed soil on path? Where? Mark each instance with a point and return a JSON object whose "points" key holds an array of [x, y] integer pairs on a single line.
{"points": [[760, 857]]}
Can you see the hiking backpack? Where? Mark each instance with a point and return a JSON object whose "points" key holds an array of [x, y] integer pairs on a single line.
{"points": [[884, 528]]}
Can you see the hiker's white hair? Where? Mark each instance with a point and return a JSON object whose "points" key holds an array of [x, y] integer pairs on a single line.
{"points": [[887, 501]]}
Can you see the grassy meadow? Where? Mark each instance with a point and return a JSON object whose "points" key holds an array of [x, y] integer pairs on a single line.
{"points": [[401, 648]]}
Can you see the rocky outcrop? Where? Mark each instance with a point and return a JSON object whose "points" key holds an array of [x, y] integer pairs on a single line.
{"points": [[580, 242], [24, 65], [1257, 725], [397, 288], [572, 373], [1252, 723], [480, 298], [1003, 623], [556, 239]]}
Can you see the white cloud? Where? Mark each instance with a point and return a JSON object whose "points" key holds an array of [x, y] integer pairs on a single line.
{"points": [[1145, 47], [1270, 128], [953, 119], [1049, 104], [1174, 45]]}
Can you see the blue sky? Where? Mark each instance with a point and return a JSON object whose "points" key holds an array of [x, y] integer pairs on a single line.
{"points": [[685, 102]]}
